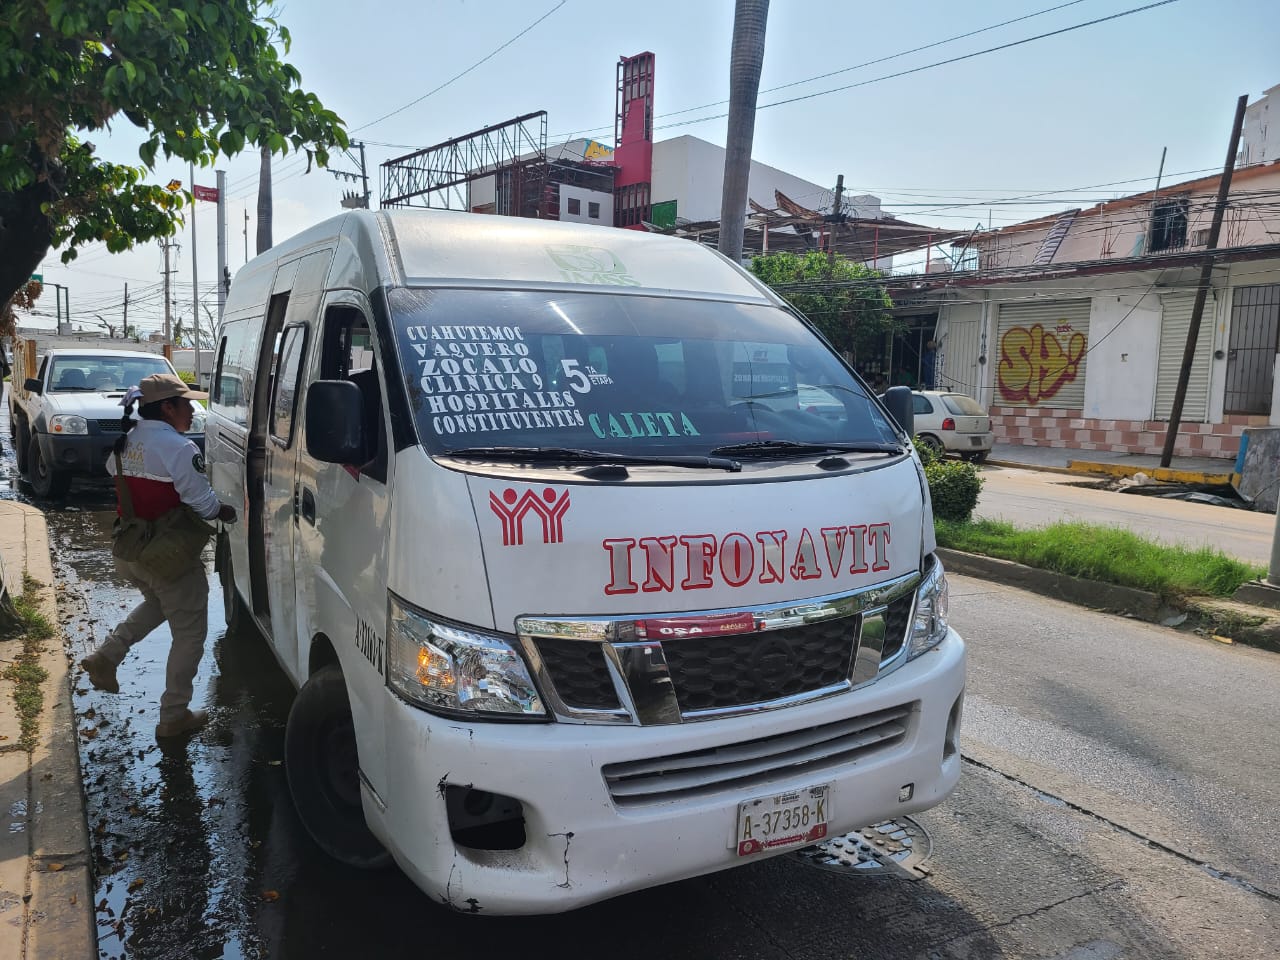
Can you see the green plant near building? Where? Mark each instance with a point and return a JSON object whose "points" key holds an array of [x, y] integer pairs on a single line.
{"points": [[845, 300]]}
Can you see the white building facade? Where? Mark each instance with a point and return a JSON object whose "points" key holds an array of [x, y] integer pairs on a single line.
{"points": [[1074, 335], [1260, 136]]}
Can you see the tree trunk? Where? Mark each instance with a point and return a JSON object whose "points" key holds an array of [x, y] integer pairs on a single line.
{"points": [[747, 56], [25, 237], [264, 203]]}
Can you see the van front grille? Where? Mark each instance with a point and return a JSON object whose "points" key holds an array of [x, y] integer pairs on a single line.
{"points": [[741, 766]]}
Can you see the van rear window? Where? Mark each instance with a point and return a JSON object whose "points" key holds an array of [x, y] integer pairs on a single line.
{"points": [[620, 373]]}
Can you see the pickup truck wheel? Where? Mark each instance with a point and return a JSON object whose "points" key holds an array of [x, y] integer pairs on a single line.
{"points": [[48, 482], [324, 773], [22, 445]]}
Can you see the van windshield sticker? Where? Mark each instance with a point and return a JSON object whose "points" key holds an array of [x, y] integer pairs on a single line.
{"points": [[624, 426], [596, 265], [479, 378]]}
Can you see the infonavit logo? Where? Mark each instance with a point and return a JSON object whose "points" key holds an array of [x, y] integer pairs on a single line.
{"points": [[512, 508], [590, 265]]}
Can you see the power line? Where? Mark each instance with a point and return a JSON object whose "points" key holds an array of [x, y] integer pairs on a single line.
{"points": [[931, 66], [459, 76], [858, 66]]}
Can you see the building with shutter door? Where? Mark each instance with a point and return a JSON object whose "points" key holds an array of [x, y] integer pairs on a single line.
{"points": [[1072, 328]]}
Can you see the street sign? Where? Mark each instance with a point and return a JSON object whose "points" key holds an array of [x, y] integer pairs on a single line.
{"points": [[38, 277]]}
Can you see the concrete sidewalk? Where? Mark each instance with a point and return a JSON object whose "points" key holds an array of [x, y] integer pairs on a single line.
{"points": [[1209, 470], [46, 893]]}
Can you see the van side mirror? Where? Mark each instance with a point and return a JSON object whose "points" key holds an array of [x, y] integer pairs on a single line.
{"points": [[32, 385], [335, 418], [901, 406]]}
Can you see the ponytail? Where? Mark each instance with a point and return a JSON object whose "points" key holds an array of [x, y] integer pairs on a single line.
{"points": [[127, 423]]}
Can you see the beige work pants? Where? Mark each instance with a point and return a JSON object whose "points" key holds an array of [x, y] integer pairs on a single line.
{"points": [[184, 603]]}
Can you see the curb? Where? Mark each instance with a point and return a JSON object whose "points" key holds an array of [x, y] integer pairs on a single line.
{"points": [[1224, 620], [59, 916], [1167, 474], [1018, 465]]}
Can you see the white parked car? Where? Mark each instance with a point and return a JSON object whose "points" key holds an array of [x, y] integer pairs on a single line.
{"points": [[953, 423]]}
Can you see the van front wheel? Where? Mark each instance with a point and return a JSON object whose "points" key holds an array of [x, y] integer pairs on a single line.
{"points": [[324, 772]]}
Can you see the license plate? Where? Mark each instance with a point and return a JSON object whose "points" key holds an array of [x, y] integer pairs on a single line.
{"points": [[793, 819], [975, 441]]}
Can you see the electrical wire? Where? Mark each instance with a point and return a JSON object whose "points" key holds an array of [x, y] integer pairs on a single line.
{"points": [[858, 66], [929, 66], [459, 76]]}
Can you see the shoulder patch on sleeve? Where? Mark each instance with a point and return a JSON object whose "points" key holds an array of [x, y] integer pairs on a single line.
{"points": [[198, 463]]}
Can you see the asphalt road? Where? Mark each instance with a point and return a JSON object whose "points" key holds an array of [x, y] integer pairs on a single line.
{"points": [[1115, 803], [1032, 498]]}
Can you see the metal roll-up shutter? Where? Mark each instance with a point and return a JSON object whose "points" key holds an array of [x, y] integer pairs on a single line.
{"points": [[1042, 351], [1175, 322]]}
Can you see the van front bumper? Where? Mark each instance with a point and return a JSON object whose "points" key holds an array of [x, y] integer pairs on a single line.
{"points": [[582, 847]]}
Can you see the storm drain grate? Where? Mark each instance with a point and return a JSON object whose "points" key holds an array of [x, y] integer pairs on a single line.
{"points": [[895, 848]]}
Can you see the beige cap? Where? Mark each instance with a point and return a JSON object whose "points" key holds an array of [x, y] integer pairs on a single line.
{"points": [[163, 386]]}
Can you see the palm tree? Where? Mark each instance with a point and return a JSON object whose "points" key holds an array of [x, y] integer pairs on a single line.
{"points": [[749, 19], [264, 202]]}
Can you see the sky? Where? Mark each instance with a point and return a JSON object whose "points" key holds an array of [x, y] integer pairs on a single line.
{"points": [[1067, 117]]}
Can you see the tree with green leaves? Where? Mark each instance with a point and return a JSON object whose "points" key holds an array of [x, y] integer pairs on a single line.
{"points": [[845, 300], [200, 79]]}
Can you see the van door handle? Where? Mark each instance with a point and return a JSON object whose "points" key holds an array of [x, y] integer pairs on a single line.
{"points": [[308, 506]]}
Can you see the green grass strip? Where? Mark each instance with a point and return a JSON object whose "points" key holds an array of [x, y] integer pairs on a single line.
{"points": [[25, 671], [1107, 554]]}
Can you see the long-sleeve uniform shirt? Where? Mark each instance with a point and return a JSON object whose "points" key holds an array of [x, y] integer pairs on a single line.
{"points": [[164, 470]]}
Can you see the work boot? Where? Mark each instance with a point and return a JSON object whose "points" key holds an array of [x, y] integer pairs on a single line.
{"points": [[102, 673], [188, 723]]}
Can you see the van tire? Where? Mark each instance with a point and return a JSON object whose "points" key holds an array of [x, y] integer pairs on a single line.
{"points": [[235, 611], [48, 482], [323, 771]]}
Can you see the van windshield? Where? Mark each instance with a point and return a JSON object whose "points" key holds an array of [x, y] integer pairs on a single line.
{"points": [[623, 374]]}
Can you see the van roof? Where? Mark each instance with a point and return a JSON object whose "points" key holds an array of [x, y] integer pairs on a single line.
{"points": [[436, 246]]}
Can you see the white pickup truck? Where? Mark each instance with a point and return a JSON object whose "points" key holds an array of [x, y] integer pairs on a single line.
{"points": [[65, 419]]}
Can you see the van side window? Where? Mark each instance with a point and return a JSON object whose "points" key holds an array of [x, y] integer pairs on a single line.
{"points": [[288, 384], [348, 354], [231, 378]]}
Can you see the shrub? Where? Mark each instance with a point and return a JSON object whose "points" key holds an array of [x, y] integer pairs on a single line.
{"points": [[187, 376], [926, 452], [953, 486]]}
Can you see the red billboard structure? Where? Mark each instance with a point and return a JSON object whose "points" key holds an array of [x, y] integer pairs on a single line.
{"points": [[633, 142]]}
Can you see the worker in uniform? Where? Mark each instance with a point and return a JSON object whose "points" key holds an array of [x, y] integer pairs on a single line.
{"points": [[163, 469]]}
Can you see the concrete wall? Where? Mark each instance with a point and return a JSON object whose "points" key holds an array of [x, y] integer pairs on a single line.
{"points": [[585, 198], [691, 172], [1260, 136], [1120, 230], [1260, 467]]}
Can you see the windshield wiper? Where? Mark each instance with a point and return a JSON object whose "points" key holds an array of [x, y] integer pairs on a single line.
{"points": [[792, 448], [574, 455]]}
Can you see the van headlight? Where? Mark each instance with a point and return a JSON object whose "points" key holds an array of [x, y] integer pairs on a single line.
{"points": [[452, 670], [65, 423], [929, 627]]}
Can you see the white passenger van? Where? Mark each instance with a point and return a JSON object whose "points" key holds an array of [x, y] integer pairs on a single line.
{"points": [[581, 593]]}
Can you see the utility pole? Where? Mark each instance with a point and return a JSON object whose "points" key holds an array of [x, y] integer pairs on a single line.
{"points": [[124, 324], [835, 223], [1202, 288], [353, 201], [166, 245], [222, 247], [195, 282], [246, 235]]}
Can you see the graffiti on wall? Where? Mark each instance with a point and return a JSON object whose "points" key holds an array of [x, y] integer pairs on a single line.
{"points": [[1035, 364]]}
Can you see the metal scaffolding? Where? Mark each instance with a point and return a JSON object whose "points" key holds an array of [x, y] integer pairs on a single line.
{"points": [[515, 152]]}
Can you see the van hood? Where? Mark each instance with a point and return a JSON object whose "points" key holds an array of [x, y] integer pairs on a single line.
{"points": [[574, 549]]}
